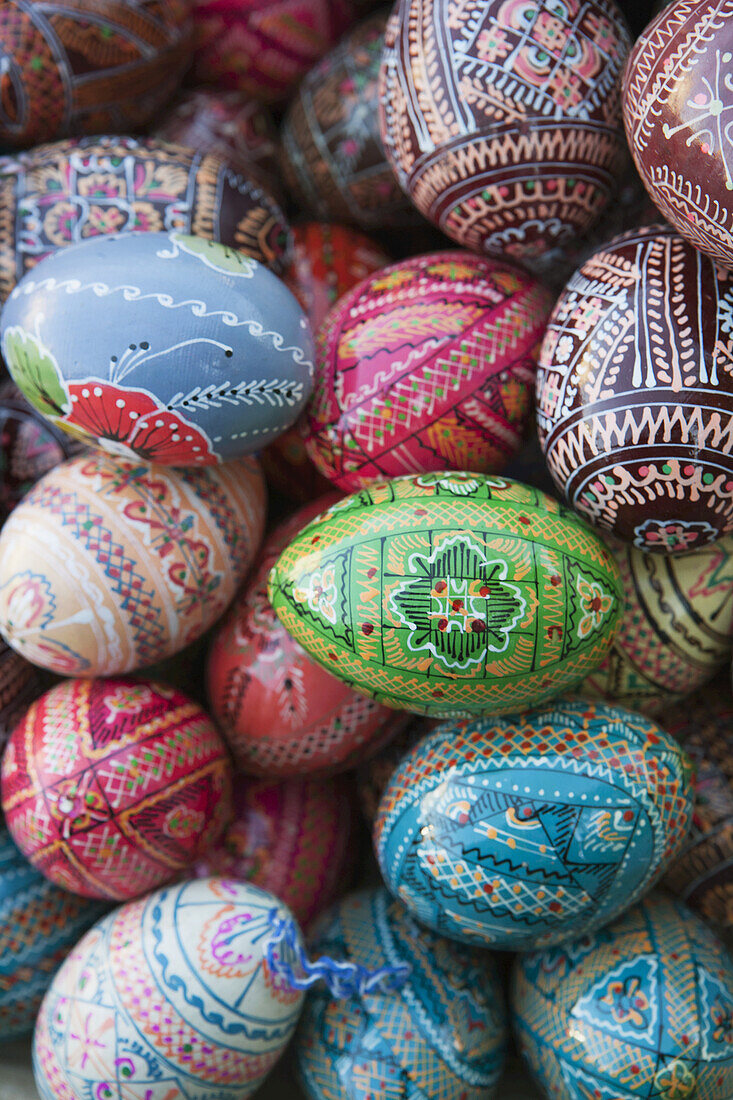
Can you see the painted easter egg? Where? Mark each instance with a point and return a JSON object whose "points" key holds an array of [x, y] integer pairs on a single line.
{"points": [[327, 261], [113, 787], [178, 994], [332, 155], [90, 66], [239, 130], [641, 1008], [450, 594], [295, 838], [676, 630], [111, 565], [263, 47], [635, 400], [427, 365], [442, 1035], [66, 192], [30, 446], [676, 109], [702, 873], [171, 349], [281, 713], [503, 122], [20, 683], [522, 832], [39, 925]]}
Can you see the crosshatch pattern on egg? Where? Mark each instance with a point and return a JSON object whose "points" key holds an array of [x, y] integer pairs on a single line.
{"points": [[160, 346], [525, 831], [450, 594]]}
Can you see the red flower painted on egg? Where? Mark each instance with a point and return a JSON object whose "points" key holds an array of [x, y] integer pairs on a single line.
{"points": [[134, 424]]}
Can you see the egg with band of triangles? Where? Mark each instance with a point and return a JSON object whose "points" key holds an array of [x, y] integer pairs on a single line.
{"points": [[524, 831], [450, 594]]}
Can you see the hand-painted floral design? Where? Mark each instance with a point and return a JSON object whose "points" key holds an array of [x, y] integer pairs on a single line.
{"points": [[627, 1003], [492, 43], [675, 1081], [35, 371], [457, 605], [594, 603], [30, 609], [673, 536], [216, 256], [133, 424], [722, 1015], [319, 592]]}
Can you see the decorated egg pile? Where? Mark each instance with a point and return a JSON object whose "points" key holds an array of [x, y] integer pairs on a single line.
{"points": [[502, 122], [89, 66], [450, 594], [113, 787], [642, 1007], [176, 990], [109, 565], [531, 829], [333, 159], [282, 714], [676, 630], [30, 446], [160, 313], [676, 110], [263, 47], [39, 925], [427, 365], [702, 873], [295, 838], [239, 130], [635, 401], [442, 1035], [375, 773], [66, 192]]}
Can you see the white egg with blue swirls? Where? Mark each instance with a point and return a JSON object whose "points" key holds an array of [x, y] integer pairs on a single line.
{"points": [[162, 346]]}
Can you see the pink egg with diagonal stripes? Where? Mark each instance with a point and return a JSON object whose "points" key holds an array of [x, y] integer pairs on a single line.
{"points": [[427, 365]]}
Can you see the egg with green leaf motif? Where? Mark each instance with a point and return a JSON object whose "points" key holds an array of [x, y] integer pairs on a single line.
{"points": [[450, 594]]}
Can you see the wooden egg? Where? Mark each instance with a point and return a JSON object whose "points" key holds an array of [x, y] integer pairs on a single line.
{"points": [[89, 66], [426, 365], [676, 105], [332, 155], [295, 838], [39, 925], [239, 130], [676, 630], [30, 446], [69, 191], [642, 1007], [170, 348], [113, 787], [522, 832], [281, 713], [110, 565], [502, 121], [442, 1036], [174, 997], [450, 594], [635, 397], [263, 47], [702, 873]]}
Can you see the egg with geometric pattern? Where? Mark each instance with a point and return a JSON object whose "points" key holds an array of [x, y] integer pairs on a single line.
{"points": [[641, 1008], [39, 924], [520, 832], [113, 787], [170, 996]]}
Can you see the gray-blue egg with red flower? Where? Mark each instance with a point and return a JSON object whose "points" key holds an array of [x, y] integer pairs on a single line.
{"points": [[160, 346]]}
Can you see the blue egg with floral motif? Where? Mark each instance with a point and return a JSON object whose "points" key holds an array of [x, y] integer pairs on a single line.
{"points": [[642, 1008], [440, 1037], [160, 346], [523, 831], [39, 925]]}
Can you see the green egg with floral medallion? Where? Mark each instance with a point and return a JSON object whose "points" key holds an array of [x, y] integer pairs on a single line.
{"points": [[450, 594]]}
